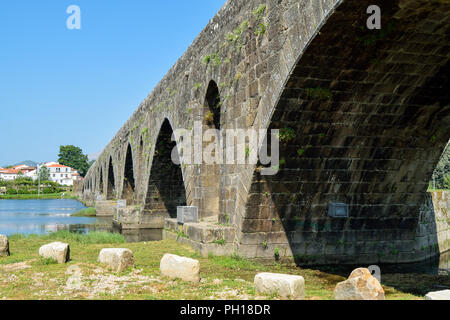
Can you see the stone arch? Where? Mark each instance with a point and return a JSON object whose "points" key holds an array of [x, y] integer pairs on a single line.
{"points": [[129, 185], [141, 164], [111, 182], [166, 189], [101, 186], [363, 123], [210, 173]]}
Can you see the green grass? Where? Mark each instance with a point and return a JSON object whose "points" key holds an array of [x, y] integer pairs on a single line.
{"points": [[67, 236], [89, 212], [222, 277], [68, 195]]}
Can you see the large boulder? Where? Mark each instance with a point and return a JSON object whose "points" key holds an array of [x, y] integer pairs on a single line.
{"points": [[186, 269], [284, 285], [438, 295], [4, 246], [361, 285], [56, 250], [117, 259]]}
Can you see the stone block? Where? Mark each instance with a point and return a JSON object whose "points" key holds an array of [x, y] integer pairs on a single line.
{"points": [[438, 295], [284, 285], [361, 285], [177, 267], [56, 250], [117, 259], [4, 246]]}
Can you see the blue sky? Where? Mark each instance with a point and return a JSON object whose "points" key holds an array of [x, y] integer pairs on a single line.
{"points": [[61, 86]]}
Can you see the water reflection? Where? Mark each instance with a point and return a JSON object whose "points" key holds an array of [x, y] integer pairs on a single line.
{"points": [[43, 216]]}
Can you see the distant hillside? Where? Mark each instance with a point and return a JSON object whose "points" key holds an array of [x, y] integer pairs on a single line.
{"points": [[29, 163]]}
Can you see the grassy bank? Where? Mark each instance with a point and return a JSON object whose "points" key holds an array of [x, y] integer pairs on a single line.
{"points": [[89, 212], [24, 276], [67, 195]]}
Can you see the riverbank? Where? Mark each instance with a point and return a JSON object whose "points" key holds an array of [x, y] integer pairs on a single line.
{"points": [[51, 196], [24, 276], [88, 212]]}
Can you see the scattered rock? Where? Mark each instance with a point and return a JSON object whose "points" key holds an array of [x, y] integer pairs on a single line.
{"points": [[186, 269], [56, 250], [438, 295], [15, 266], [284, 285], [360, 285], [117, 259], [4, 246], [218, 281]]}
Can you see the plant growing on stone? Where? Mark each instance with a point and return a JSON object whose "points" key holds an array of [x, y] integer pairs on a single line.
{"points": [[318, 93], [277, 254], [209, 117], [260, 29], [260, 11], [286, 135]]}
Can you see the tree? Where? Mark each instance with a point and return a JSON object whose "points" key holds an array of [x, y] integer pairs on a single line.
{"points": [[73, 157], [442, 171], [44, 173]]}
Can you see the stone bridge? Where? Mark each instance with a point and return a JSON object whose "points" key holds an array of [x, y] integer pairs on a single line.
{"points": [[363, 116]]}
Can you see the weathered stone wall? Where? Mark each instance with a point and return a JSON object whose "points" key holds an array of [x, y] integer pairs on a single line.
{"points": [[368, 112]]}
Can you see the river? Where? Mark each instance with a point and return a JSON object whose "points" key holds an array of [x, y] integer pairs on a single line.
{"points": [[43, 216]]}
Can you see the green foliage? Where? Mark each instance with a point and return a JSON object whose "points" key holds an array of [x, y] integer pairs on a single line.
{"points": [[441, 175], [214, 58], [88, 212], [67, 236], [260, 29], [220, 242], [372, 37], [277, 253], [260, 11], [318, 93], [73, 157], [44, 173], [287, 135], [300, 152]]}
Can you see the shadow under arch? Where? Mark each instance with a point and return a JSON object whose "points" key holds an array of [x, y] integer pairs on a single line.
{"points": [[210, 173], [166, 190], [111, 184], [361, 123], [101, 187], [128, 178]]}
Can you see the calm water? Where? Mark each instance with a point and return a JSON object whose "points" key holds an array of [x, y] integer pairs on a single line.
{"points": [[43, 216]]}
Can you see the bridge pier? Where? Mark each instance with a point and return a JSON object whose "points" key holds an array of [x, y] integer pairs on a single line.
{"points": [[105, 208]]}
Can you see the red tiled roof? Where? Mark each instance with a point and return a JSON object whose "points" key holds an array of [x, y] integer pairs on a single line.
{"points": [[9, 171], [57, 166]]}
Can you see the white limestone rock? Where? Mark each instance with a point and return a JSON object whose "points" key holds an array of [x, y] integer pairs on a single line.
{"points": [[361, 285], [183, 268], [56, 250], [4, 246], [117, 259], [438, 295], [284, 285]]}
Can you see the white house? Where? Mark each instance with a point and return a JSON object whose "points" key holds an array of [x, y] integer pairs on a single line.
{"points": [[63, 175], [8, 174]]}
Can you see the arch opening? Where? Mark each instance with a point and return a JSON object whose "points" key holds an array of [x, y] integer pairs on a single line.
{"points": [[101, 181], [166, 190], [111, 185], [363, 124], [128, 178], [210, 173]]}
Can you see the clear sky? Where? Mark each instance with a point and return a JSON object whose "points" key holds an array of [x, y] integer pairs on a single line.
{"points": [[61, 86]]}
